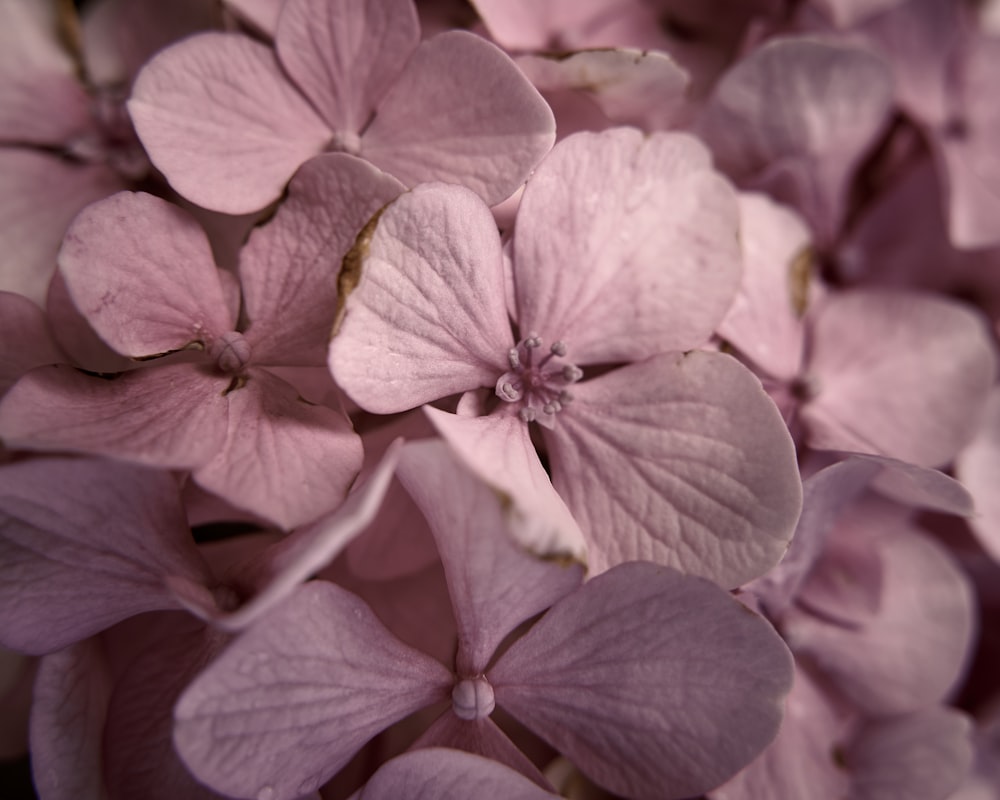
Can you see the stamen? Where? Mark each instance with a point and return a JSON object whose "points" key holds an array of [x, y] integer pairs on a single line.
{"points": [[559, 348], [513, 358], [571, 373], [539, 388]]}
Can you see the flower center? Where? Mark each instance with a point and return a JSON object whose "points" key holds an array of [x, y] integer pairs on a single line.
{"points": [[538, 384], [230, 352], [344, 142], [472, 698]]}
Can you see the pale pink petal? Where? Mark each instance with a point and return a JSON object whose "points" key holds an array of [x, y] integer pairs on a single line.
{"points": [[684, 684], [461, 112], [283, 458], [625, 246], [498, 449], [901, 374], [913, 651], [427, 317], [527, 25], [765, 320], [682, 460], [262, 14], [629, 86], [919, 756], [494, 584], [77, 338], [141, 271], [42, 101], [291, 700], [345, 54], [39, 196], [443, 774], [221, 121], [171, 416], [292, 560], [67, 722], [90, 553], [289, 267], [978, 467], [25, 341], [800, 762], [801, 111]]}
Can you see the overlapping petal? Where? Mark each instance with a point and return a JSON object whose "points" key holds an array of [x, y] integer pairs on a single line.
{"points": [[691, 698], [682, 460], [291, 701], [626, 246]]}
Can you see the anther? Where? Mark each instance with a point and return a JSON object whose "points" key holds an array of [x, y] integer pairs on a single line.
{"points": [[527, 414], [558, 349], [513, 358], [571, 373]]}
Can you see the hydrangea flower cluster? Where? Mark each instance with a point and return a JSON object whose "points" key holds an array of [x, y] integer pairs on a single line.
{"points": [[448, 398]]}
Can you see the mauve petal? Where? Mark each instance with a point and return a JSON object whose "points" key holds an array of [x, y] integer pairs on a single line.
{"points": [[800, 762], [139, 759], [221, 121], [498, 449], [919, 756], [594, 224], [914, 650], [39, 196], [461, 112], [493, 583], [289, 267], [67, 723], [629, 86], [808, 108], [442, 774], [765, 320], [141, 271], [260, 14], [682, 460], [978, 467], [422, 295], [901, 374], [480, 737], [42, 101], [684, 684], [293, 559], [298, 694], [345, 54], [283, 458], [76, 560], [168, 416], [847, 13], [527, 25], [25, 341]]}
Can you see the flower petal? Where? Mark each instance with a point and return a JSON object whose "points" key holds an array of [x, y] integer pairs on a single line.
{"points": [[682, 460], [76, 560], [686, 683], [494, 585], [284, 458], [141, 271], [461, 112], [345, 54], [427, 318], [594, 224], [25, 341], [221, 121], [288, 268], [298, 694]]}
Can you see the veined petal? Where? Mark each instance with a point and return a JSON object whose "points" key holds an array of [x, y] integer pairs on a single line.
{"points": [[461, 112], [298, 694], [901, 374], [345, 54], [422, 311], [682, 460], [77, 559], [222, 122], [170, 416], [494, 585], [141, 271], [626, 246], [25, 341], [283, 458], [686, 686], [289, 267]]}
